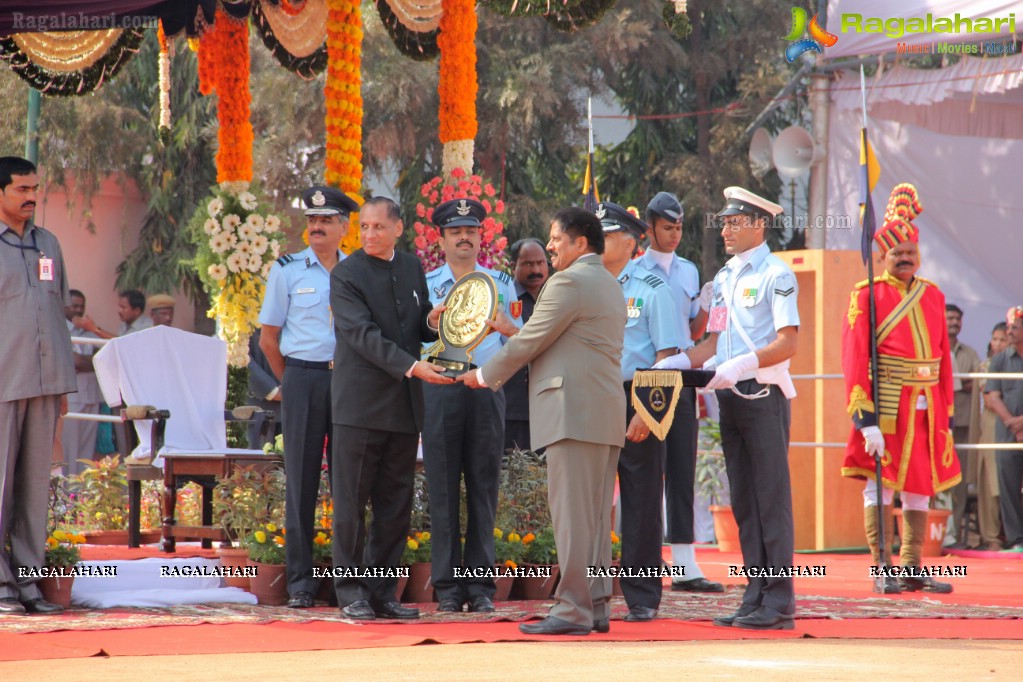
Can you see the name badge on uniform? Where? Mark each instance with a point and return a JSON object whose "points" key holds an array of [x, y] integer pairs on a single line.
{"points": [[718, 317], [306, 290], [749, 297], [45, 269], [634, 307]]}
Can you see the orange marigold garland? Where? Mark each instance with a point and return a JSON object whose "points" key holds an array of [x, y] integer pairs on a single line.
{"points": [[207, 55], [457, 88], [343, 96], [234, 153]]}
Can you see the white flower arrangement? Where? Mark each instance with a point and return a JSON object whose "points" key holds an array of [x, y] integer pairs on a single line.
{"points": [[238, 241]]}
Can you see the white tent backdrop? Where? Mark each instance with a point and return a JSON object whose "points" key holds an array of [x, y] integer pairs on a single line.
{"points": [[850, 43], [959, 139]]}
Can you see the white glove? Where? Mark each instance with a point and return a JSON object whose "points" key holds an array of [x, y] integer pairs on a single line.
{"points": [[729, 371], [680, 361], [874, 441], [706, 294]]}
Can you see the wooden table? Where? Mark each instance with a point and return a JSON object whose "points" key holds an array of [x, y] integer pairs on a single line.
{"points": [[204, 470]]}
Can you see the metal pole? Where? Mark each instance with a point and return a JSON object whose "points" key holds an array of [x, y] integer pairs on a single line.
{"points": [[820, 95], [32, 127]]}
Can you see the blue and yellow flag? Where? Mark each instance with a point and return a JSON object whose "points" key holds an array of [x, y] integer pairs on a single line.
{"points": [[870, 171]]}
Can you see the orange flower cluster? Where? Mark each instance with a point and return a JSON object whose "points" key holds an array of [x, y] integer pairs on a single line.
{"points": [[343, 95], [234, 153], [457, 88], [207, 54]]}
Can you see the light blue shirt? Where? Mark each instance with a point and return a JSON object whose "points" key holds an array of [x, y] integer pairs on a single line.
{"points": [[652, 323], [683, 280], [761, 293], [298, 301], [440, 281]]}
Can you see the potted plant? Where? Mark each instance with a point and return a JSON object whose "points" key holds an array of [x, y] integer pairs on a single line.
{"points": [[61, 555], [251, 497], [101, 493], [266, 553], [541, 559], [522, 496], [508, 553], [417, 555]]}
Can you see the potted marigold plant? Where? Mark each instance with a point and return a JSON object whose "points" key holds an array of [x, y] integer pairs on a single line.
{"points": [[251, 497], [508, 553], [417, 555], [541, 560], [61, 555], [266, 554]]}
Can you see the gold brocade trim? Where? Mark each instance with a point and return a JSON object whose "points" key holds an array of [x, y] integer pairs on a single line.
{"points": [[886, 458], [859, 402], [857, 472], [949, 453], [906, 305], [657, 379], [854, 308]]}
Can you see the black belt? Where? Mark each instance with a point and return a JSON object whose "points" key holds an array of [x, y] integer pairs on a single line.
{"points": [[307, 364]]}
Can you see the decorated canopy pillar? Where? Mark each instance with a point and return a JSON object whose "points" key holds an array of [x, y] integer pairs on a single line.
{"points": [[458, 86]]}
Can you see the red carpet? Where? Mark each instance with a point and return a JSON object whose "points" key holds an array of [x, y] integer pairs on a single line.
{"points": [[989, 583]]}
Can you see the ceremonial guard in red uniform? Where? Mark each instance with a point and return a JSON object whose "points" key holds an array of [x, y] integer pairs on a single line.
{"points": [[910, 422]]}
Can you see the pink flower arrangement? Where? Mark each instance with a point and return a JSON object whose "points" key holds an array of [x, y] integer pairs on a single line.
{"points": [[435, 192]]}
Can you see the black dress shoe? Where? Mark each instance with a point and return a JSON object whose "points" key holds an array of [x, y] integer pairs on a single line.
{"points": [[359, 610], [924, 584], [393, 609], [640, 614], [11, 606], [696, 585], [603, 625], [449, 604], [481, 604], [765, 618], [41, 606], [301, 600], [726, 621], [552, 625]]}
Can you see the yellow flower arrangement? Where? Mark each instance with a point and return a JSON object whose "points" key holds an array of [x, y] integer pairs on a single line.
{"points": [[238, 240], [343, 98]]}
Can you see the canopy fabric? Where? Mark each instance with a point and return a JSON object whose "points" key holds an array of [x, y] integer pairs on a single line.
{"points": [[976, 96], [862, 43]]}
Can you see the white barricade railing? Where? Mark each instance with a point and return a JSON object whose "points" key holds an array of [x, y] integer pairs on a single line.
{"points": [[1009, 376]]}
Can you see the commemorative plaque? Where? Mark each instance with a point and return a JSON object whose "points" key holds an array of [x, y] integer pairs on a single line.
{"points": [[463, 326]]}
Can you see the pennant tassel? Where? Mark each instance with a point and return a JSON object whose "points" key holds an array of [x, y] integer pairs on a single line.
{"points": [[655, 395]]}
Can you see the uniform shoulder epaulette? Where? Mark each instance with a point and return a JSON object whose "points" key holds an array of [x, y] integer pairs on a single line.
{"points": [[654, 281], [285, 259], [504, 277], [860, 285]]}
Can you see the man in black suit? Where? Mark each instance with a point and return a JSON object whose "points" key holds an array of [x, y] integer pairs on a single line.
{"points": [[382, 315]]}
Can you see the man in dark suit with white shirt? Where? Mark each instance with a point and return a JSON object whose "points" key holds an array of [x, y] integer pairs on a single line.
{"points": [[382, 315]]}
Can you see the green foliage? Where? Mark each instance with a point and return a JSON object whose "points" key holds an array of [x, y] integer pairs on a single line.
{"points": [[710, 462], [508, 547], [249, 499], [101, 491], [62, 548], [417, 549], [522, 497]]}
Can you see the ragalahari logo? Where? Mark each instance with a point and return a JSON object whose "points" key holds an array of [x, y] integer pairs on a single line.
{"points": [[818, 40]]}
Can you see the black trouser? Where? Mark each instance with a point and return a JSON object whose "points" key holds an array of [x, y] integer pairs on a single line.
{"points": [[306, 423], [376, 467], [463, 434], [680, 469], [755, 440], [640, 484], [1009, 464]]}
